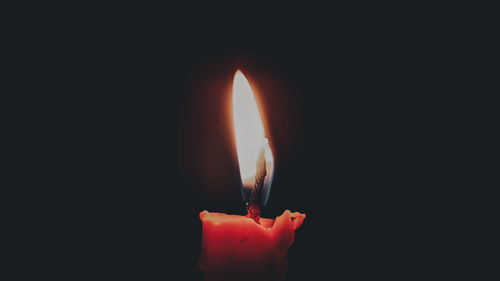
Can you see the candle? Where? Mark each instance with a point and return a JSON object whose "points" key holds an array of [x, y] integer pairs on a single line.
{"points": [[237, 248], [248, 247]]}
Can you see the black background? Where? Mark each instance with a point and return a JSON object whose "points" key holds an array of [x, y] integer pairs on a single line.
{"points": [[363, 154]]}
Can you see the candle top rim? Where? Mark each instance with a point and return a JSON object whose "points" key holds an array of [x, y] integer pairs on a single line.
{"points": [[266, 224]]}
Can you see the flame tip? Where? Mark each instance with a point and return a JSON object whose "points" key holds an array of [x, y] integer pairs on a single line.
{"points": [[239, 73]]}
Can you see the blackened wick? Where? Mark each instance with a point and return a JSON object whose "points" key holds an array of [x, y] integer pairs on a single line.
{"points": [[253, 206]]}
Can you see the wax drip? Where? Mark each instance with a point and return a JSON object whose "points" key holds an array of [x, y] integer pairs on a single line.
{"points": [[253, 206]]}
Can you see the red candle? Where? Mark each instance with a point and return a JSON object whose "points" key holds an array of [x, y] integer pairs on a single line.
{"points": [[238, 248], [248, 247]]}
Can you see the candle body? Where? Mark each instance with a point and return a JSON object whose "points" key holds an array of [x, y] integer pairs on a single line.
{"points": [[237, 248]]}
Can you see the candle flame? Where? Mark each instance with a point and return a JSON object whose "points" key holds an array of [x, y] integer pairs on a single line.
{"points": [[251, 142]]}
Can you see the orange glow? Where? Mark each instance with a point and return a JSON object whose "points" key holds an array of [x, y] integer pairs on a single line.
{"points": [[248, 130]]}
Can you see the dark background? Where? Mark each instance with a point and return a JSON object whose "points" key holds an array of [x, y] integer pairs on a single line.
{"points": [[358, 108]]}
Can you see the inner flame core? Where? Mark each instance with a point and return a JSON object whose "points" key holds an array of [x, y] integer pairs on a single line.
{"points": [[249, 130]]}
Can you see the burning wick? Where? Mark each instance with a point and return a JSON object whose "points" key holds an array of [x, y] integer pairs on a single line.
{"points": [[253, 208]]}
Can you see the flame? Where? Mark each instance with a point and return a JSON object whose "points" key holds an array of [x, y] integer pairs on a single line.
{"points": [[249, 130]]}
